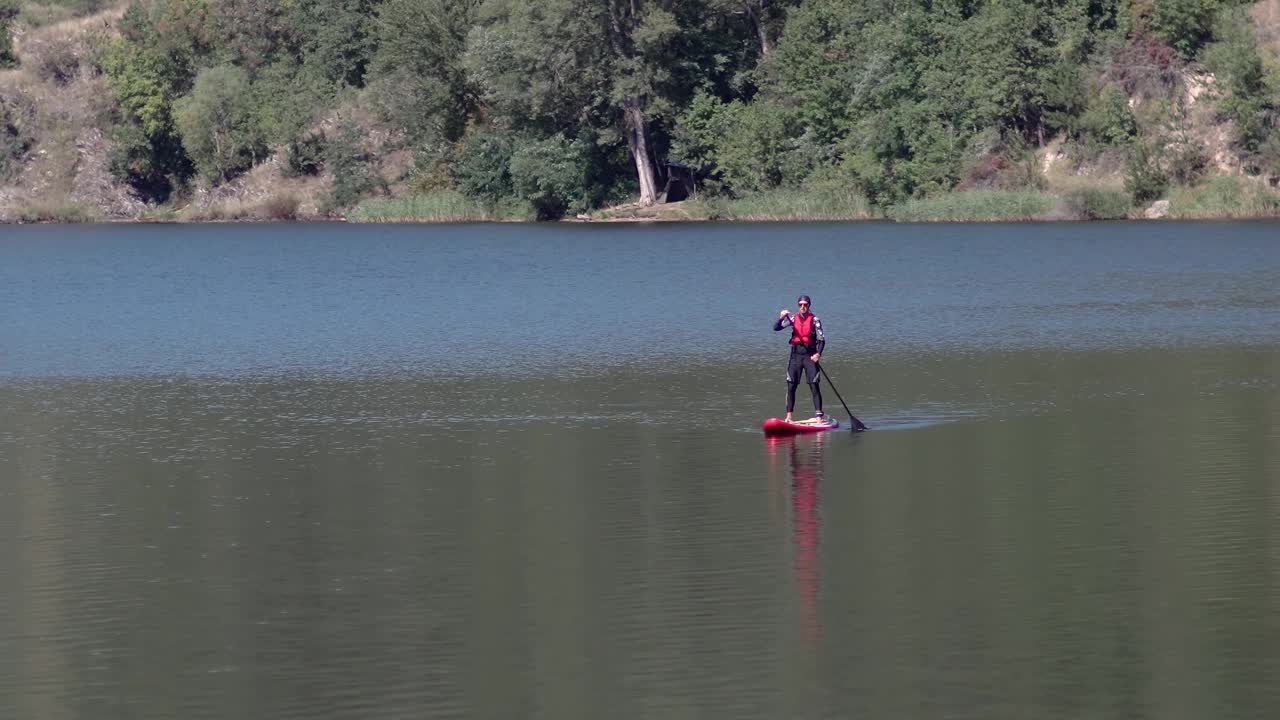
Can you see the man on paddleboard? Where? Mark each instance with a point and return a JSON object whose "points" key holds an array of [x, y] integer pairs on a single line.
{"points": [[807, 341]]}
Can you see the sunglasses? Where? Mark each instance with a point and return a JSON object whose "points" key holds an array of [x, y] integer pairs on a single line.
{"points": [[802, 304]]}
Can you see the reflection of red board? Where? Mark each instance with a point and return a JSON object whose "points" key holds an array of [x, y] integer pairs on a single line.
{"points": [[777, 426]]}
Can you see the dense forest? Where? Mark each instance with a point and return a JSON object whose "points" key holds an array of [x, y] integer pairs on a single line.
{"points": [[558, 107]]}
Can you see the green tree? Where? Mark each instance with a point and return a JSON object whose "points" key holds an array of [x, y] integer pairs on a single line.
{"points": [[618, 66], [217, 124], [351, 166], [1184, 24], [751, 154], [551, 175], [484, 169], [154, 164], [1145, 180], [287, 100], [764, 19], [698, 135], [146, 76], [417, 72], [337, 37], [1245, 97], [252, 34], [1109, 119], [16, 114], [828, 68], [146, 82]]}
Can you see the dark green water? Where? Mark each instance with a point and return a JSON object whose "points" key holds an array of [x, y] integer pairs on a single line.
{"points": [[483, 471]]}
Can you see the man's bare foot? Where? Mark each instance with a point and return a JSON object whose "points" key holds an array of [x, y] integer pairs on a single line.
{"points": [[787, 418]]}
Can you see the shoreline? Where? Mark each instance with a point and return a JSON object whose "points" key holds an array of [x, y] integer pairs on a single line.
{"points": [[661, 221], [1224, 199]]}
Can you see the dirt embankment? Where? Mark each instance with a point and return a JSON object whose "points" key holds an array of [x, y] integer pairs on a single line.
{"points": [[61, 105], [58, 101]]}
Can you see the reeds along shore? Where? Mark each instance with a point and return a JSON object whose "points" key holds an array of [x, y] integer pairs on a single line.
{"points": [[1219, 198], [1223, 197]]}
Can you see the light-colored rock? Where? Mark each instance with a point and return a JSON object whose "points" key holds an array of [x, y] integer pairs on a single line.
{"points": [[1158, 209]]}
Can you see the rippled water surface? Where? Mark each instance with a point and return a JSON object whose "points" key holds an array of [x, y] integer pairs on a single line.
{"points": [[513, 471]]}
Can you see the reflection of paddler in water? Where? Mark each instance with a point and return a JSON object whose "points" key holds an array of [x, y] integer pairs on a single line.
{"points": [[805, 461]]}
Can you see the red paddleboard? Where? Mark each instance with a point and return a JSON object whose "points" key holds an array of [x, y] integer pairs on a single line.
{"points": [[777, 426]]}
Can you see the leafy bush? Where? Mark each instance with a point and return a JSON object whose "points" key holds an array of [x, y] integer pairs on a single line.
{"points": [[551, 176], [696, 139], [484, 167], [1109, 118], [433, 167], [1238, 67], [147, 152], [1268, 157], [750, 152], [287, 100], [8, 11], [1144, 179], [746, 147], [1004, 164], [217, 124], [1091, 203], [305, 155], [349, 163], [1183, 24], [1187, 163], [1145, 67], [16, 114], [154, 165]]}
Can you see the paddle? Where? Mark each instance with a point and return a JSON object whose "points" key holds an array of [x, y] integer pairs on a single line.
{"points": [[856, 424]]}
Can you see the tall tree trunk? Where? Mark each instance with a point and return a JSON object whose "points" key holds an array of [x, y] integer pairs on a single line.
{"points": [[638, 142], [756, 11]]}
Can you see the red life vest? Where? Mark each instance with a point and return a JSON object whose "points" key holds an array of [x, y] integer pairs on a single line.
{"points": [[802, 330]]}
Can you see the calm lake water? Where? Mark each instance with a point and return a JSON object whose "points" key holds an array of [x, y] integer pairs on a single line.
{"points": [[516, 471]]}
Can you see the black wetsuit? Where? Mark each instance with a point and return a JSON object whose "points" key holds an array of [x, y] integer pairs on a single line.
{"points": [[801, 361]]}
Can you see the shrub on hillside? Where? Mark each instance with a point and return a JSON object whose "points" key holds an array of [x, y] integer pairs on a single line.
{"points": [[281, 206], [1184, 25], [1010, 168], [58, 61], [1144, 179], [217, 124], [1268, 157], [16, 113], [1242, 80], [8, 11], [1187, 163], [1090, 203], [484, 167], [143, 161], [551, 175], [1109, 119], [305, 155], [433, 168], [1145, 67], [350, 164]]}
